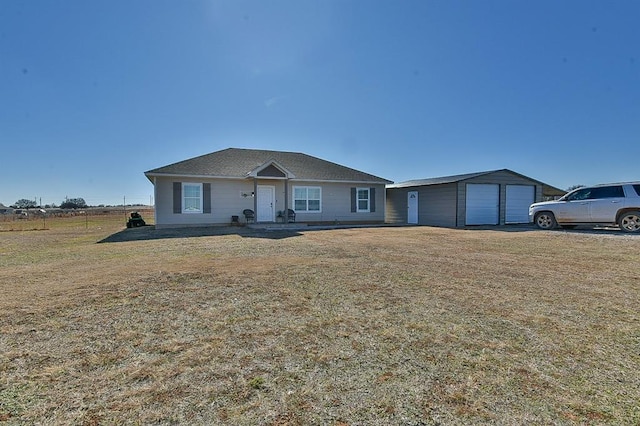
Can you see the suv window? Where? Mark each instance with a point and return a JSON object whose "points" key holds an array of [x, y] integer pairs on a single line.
{"points": [[581, 194], [637, 188], [607, 192]]}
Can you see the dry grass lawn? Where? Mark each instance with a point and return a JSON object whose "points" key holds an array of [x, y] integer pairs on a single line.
{"points": [[408, 326]]}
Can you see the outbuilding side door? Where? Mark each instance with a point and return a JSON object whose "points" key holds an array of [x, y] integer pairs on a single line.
{"points": [[412, 207]]}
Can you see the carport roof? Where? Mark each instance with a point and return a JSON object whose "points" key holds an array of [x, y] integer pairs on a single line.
{"points": [[547, 190]]}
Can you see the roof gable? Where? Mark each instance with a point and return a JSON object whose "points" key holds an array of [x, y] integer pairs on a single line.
{"points": [[243, 163], [271, 169]]}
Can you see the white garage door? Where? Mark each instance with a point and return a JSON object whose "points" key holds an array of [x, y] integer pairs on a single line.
{"points": [[483, 203], [519, 198]]}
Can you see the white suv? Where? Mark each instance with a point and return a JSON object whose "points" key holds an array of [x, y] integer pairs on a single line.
{"points": [[616, 203]]}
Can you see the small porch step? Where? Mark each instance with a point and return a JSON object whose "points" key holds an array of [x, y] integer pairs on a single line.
{"points": [[278, 226]]}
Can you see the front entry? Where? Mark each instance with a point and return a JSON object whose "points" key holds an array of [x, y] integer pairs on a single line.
{"points": [[412, 207], [264, 204]]}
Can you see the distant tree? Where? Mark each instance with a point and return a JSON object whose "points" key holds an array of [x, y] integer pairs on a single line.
{"points": [[73, 203], [25, 204], [572, 187]]}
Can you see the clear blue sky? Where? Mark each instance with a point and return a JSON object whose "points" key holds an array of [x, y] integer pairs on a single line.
{"points": [[94, 93]]}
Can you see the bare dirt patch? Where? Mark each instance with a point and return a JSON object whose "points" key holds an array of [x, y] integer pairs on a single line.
{"points": [[350, 326]]}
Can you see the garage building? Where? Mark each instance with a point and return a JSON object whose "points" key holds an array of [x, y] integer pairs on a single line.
{"points": [[495, 197]]}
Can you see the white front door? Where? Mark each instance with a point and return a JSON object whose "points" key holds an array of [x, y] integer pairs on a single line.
{"points": [[412, 207], [265, 202]]}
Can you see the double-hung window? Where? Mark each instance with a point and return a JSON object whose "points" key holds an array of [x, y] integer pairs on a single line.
{"points": [[191, 197], [307, 199], [362, 199]]}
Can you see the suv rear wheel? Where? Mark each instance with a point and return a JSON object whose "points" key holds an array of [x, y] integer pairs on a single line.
{"points": [[630, 221], [545, 220]]}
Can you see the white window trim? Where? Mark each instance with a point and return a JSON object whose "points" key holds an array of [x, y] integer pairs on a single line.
{"points": [[198, 184], [358, 209], [293, 198]]}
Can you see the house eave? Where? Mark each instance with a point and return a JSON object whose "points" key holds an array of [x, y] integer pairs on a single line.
{"points": [[293, 180], [364, 182], [183, 176]]}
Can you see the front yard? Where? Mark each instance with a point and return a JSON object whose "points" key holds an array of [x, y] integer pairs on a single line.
{"points": [[409, 325]]}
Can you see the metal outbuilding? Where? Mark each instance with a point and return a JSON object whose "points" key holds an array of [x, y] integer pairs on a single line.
{"points": [[496, 197]]}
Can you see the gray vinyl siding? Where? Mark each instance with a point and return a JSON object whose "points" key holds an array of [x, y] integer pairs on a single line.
{"points": [[336, 203], [227, 200]]}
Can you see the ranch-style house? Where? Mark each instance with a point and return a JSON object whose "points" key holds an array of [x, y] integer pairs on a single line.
{"points": [[269, 186]]}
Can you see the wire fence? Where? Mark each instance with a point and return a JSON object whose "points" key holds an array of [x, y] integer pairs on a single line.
{"points": [[31, 219]]}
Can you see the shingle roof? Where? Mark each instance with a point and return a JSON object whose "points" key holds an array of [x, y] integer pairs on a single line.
{"points": [[238, 163], [546, 189]]}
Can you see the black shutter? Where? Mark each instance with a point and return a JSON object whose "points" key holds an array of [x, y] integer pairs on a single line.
{"points": [[353, 200], [372, 200], [206, 198], [177, 197]]}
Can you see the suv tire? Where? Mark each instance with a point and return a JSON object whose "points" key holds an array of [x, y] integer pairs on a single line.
{"points": [[546, 220], [630, 221]]}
